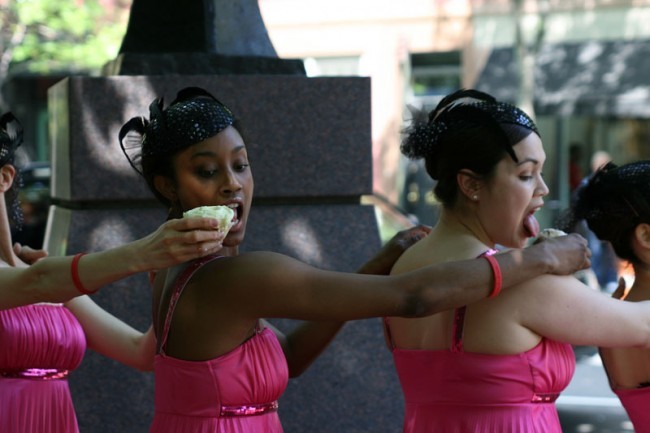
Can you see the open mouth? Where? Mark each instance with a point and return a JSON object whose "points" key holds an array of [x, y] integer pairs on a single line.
{"points": [[531, 225], [238, 211]]}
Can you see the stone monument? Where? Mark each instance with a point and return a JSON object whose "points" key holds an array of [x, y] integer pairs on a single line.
{"points": [[310, 149]]}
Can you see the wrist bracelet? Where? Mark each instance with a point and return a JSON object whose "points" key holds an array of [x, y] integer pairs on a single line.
{"points": [[74, 272], [498, 278]]}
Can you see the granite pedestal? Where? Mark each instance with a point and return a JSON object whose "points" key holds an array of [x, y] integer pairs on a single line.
{"points": [[310, 150]]}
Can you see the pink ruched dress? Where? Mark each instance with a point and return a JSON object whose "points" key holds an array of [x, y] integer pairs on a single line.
{"points": [[40, 344], [453, 391], [235, 393], [636, 402]]}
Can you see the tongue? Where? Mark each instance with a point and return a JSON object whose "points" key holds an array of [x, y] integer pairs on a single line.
{"points": [[531, 225]]}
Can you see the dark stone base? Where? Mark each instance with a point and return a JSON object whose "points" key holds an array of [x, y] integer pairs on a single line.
{"points": [[200, 64], [310, 150]]}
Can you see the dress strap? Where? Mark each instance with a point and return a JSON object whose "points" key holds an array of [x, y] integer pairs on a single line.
{"points": [[457, 330], [179, 284], [389, 336], [459, 318]]}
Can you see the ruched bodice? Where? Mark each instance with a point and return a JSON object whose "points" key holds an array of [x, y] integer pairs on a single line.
{"points": [[236, 392], [454, 391], [40, 344]]}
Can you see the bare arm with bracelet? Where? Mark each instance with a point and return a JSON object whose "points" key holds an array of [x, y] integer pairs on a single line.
{"points": [[59, 279]]}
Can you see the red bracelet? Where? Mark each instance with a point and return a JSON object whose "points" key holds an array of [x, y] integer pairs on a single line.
{"points": [[74, 272], [498, 279]]}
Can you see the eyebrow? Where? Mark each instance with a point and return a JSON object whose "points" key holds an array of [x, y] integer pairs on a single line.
{"points": [[210, 153], [534, 161]]}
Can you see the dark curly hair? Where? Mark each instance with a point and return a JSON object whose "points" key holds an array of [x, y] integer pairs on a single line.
{"points": [[614, 201], [11, 137]]}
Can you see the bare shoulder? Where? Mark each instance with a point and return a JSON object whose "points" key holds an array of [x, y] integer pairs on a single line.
{"points": [[247, 262], [252, 269], [543, 286]]}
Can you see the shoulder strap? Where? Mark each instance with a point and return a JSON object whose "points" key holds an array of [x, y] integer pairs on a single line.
{"points": [[179, 285], [389, 336], [459, 319], [457, 330]]}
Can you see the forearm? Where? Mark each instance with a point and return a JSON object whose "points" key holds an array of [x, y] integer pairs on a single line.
{"points": [[454, 284], [98, 269], [51, 279], [521, 265]]}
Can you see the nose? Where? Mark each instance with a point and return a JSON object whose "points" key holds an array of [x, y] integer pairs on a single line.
{"points": [[230, 183], [542, 188]]}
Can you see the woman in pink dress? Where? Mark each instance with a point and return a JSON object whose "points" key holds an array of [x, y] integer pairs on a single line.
{"points": [[616, 206], [219, 365], [499, 364], [43, 340]]}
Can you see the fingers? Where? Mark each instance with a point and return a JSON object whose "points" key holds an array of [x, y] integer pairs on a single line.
{"points": [[406, 238], [188, 224], [27, 254]]}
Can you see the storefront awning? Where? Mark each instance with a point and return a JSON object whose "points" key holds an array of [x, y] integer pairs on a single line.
{"points": [[599, 78]]}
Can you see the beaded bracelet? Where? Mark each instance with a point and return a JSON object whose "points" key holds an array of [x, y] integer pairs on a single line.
{"points": [[498, 278], [74, 272]]}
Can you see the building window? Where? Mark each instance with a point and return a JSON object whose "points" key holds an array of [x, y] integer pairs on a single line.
{"points": [[434, 75]]}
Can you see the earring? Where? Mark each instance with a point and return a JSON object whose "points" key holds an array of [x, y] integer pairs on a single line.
{"points": [[475, 197]]}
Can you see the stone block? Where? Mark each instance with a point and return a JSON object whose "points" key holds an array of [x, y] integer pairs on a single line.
{"points": [[307, 137], [310, 150]]}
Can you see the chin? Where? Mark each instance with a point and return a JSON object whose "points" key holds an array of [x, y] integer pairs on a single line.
{"points": [[234, 239]]}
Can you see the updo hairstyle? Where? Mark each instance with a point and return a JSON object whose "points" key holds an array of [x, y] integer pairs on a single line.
{"points": [[614, 201], [468, 129]]}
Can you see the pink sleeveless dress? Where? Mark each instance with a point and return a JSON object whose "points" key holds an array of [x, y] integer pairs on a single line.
{"points": [[453, 391], [40, 344], [635, 401], [235, 393]]}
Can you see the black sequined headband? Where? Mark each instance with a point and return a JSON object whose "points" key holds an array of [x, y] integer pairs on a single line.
{"points": [[195, 115], [429, 132], [11, 137]]}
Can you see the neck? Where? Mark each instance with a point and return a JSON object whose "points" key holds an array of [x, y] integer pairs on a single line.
{"points": [[452, 222], [229, 251], [459, 234], [641, 276]]}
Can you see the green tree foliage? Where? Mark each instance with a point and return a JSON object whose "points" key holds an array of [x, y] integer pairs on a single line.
{"points": [[41, 36]]}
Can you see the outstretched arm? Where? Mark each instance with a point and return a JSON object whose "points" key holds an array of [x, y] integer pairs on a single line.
{"points": [[304, 344], [456, 284], [50, 279], [284, 287]]}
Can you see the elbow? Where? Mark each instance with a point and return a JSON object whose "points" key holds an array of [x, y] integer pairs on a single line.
{"points": [[416, 304], [295, 372], [35, 286]]}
